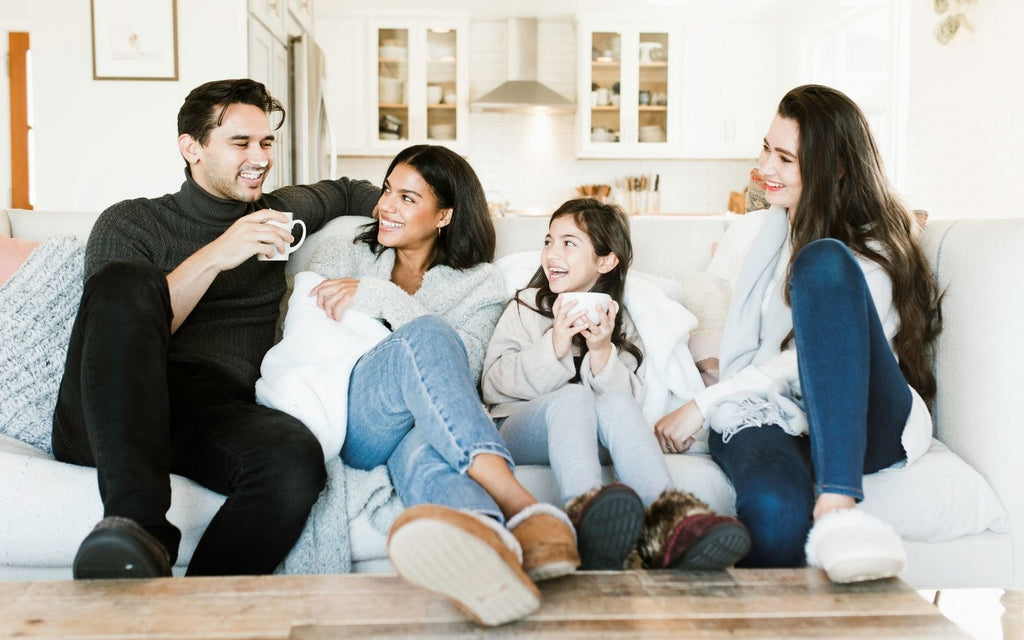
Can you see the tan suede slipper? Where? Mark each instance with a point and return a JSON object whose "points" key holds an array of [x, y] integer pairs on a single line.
{"points": [[458, 555], [548, 541]]}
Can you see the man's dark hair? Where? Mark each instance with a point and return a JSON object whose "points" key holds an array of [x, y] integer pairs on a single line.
{"points": [[199, 114]]}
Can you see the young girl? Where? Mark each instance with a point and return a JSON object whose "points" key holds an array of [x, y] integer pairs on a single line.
{"points": [[824, 353], [566, 391]]}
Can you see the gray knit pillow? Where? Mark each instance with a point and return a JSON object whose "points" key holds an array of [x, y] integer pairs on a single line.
{"points": [[37, 308]]}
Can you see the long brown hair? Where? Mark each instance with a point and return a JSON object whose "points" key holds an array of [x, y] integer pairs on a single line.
{"points": [[608, 229], [846, 196]]}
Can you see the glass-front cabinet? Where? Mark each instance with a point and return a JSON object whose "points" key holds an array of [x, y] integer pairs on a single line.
{"points": [[628, 91], [421, 83]]}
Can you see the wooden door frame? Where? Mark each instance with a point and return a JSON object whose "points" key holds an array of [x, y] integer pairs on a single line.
{"points": [[17, 47]]}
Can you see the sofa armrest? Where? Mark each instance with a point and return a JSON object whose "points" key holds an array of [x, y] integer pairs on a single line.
{"points": [[980, 354], [40, 225], [5, 223]]}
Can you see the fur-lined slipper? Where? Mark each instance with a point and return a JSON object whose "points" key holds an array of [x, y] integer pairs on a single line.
{"points": [[852, 545], [681, 532], [466, 558], [548, 541], [608, 522]]}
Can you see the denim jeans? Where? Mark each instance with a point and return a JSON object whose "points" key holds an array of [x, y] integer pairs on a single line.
{"points": [[575, 432], [856, 399], [414, 405], [124, 408]]}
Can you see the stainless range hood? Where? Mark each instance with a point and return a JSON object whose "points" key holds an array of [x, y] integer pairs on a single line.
{"points": [[522, 92]]}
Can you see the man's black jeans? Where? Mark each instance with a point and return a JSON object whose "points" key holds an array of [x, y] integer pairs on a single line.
{"points": [[124, 408]]}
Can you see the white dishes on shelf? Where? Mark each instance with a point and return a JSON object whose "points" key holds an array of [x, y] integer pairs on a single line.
{"points": [[651, 133], [391, 52], [441, 131], [391, 90], [435, 93], [646, 49]]}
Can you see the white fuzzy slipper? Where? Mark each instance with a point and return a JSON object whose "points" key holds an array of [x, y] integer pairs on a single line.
{"points": [[462, 556], [853, 546]]}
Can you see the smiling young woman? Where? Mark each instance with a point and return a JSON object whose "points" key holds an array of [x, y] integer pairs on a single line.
{"points": [[424, 269], [833, 272]]}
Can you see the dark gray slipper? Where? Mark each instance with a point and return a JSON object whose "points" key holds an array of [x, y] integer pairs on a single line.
{"points": [[119, 548], [608, 524]]}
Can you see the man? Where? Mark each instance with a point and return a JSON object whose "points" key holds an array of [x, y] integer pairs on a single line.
{"points": [[176, 315]]}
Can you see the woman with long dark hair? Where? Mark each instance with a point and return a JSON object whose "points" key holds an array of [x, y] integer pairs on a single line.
{"points": [[424, 268], [825, 373]]}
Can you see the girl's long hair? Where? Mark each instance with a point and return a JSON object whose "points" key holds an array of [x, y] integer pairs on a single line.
{"points": [[846, 196], [608, 229]]}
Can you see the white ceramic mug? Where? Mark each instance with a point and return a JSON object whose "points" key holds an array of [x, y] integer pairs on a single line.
{"points": [[588, 300], [289, 226]]}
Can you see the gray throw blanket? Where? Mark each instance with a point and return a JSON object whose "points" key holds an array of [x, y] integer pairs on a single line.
{"points": [[364, 499], [37, 310]]}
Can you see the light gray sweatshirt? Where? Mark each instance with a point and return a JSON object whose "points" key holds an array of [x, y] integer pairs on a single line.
{"points": [[521, 363]]}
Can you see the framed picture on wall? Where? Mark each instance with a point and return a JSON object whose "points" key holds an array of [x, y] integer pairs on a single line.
{"points": [[134, 39]]}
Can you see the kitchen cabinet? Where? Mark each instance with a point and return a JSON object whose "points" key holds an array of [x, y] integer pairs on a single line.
{"points": [[629, 90], [268, 63], [271, 14], [302, 12], [730, 92], [419, 83]]}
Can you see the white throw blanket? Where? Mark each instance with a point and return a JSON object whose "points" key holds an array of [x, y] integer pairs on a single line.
{"points": [[671, 378], [306, 374]]}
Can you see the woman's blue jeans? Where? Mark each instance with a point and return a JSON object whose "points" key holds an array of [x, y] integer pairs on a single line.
{"points": [[857, 403], [414, 405]]}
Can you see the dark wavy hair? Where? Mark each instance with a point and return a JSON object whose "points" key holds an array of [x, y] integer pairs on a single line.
{"points": [[847, 196], [204, 107], [608, 229], [469, 238]]}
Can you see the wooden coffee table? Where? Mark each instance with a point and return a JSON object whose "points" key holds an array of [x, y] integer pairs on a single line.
{"points": [[740, 603]]}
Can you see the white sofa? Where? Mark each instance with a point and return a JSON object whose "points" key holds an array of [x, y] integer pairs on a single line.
{"points": [[957, 534]]}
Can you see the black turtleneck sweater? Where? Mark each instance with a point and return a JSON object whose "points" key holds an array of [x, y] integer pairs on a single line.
{"points": [[233, 324]]}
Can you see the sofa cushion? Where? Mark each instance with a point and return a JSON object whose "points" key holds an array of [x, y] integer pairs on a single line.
{"points": [[13, 253], [939, 497], [37, 309]]}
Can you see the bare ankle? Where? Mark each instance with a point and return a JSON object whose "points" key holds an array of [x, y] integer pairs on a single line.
{"points": [[829, 502]]}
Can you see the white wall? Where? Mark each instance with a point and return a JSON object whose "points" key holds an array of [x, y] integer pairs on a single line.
{"points": [[965, 138], [98, 142]]}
